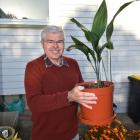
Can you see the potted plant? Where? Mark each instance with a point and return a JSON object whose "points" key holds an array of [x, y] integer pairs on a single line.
{"points": [[116, 131], [102, 113], [8, 133]]}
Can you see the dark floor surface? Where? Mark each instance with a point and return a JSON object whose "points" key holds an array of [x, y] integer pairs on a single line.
{"points": [[25, 124]]}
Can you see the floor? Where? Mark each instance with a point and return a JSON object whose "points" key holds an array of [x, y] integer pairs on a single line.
{"points": [[25, 124]]}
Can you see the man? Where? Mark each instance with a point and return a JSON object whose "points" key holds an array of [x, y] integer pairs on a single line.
{"points": [[51, 91]]}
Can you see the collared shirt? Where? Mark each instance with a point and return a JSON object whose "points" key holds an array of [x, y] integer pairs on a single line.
{"points": [[49, 63]]}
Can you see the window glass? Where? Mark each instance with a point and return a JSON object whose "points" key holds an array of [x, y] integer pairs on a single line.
{"points": [[24, 9]]}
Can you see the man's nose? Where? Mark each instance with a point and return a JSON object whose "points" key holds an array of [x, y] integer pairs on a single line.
{"points": [[55, 44]]}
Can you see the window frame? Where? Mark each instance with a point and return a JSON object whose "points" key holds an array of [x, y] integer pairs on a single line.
{"points": [[16, 23], [5, 23]]}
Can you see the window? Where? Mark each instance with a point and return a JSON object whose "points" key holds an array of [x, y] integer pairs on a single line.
{"points": [[24, 12]]}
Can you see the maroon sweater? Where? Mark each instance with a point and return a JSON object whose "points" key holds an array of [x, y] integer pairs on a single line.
{"points": [[53, 117]]}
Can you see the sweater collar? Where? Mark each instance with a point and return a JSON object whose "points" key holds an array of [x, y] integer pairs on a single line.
{"points": [[49, 63]]}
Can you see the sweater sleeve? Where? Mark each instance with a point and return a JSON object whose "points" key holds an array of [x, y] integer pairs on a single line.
{"points": [[37, 101], [80, 75]]}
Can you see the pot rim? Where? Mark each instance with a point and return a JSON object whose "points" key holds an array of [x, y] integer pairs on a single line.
{"points": [[108, 83]]}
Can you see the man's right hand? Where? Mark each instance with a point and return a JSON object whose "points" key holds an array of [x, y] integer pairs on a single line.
{"points": [[84, 98]]}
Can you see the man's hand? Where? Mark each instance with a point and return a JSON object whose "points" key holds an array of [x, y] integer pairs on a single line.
{"points": [[84, 98]]}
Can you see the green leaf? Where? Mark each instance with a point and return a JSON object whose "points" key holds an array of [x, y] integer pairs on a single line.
{"points": [[108, 45], [87, 137], [100, 20], [83, 28], [71, 47], [94, 41], [80, 46], [83, 48], [90, 36], [110, 26]]}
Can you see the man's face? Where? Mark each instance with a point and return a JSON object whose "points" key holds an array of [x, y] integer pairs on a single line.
{"points": [[53, 45]]}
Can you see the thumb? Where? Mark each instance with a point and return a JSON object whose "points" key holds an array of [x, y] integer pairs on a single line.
{"points": [[80, 87]]}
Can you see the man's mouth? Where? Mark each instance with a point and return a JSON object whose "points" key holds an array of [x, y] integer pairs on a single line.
{"points": [[55, 51]]}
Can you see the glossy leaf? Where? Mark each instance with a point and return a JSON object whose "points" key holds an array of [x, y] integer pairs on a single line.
{"points": [[110, 27], [83, 28], [100, 20], [93, 36]]}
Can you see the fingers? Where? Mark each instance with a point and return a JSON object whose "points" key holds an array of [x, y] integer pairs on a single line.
{"points": [[77, 95], [86, 99], [88, 102], [87, 106], [88, 95]]}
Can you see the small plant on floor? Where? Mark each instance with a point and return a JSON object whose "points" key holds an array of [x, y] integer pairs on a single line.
{"points": [[115, 131], [8, 133], [16, 137]]}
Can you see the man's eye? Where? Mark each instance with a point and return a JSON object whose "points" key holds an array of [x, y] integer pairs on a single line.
{"points": [[60, 41], [50, 42]]}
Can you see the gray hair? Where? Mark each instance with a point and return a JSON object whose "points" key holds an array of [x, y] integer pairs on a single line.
{"points": [[51, 29]]}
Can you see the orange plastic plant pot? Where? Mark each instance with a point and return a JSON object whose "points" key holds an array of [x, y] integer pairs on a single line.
{"points": [[102, 112]]}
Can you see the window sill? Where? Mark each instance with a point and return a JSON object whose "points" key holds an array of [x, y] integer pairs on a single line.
{"points": [[22, 23]]}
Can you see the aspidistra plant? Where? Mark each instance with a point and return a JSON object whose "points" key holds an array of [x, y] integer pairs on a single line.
{"points": [[93, 36]]}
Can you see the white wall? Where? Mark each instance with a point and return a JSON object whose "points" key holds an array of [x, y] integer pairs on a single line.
{"points": [[19, 45], [126, 53]]}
